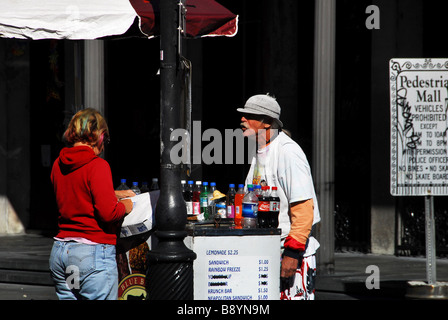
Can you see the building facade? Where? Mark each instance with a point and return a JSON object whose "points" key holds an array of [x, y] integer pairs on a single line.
{"points": [[276, 50]]}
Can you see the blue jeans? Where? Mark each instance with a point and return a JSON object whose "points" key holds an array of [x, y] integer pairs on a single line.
{"points": [[84, 272]]}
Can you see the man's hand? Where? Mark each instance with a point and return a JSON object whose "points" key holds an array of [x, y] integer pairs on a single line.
{"points": [[289, 267], [288, 272]]}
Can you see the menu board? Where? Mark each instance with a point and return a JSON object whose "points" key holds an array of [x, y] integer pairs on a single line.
{"points": [[236, 267]]}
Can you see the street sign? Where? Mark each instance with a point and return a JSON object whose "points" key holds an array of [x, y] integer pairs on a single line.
{"points": [[419, 125]]}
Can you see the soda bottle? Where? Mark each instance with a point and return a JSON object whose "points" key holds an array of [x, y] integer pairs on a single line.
{"points": [[135, 187], [203, 198], [188, 197], [183, 185], [250, 208], [239, 205], [274, 208], [264, 208], [230, 201], [196, 201], [123, 185]]}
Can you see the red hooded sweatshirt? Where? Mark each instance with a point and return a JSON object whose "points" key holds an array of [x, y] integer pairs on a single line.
{"points": [[85, 196]]}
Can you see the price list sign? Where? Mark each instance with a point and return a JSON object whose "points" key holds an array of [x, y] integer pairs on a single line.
{"points": [[237, 268], [419, 125]]}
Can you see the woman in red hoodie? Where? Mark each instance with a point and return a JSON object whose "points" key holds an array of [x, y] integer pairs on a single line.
{"points": [[82, 261]]}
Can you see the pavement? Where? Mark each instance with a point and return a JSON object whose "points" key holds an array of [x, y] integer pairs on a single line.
{"points": [[24, 274]]}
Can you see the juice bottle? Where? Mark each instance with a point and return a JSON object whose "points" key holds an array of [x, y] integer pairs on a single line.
{"points": [[188, 197], [239, 205], [196, 203], [231, 201]]}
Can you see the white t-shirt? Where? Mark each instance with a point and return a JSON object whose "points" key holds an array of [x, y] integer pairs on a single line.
{"points": [[284, 164]]}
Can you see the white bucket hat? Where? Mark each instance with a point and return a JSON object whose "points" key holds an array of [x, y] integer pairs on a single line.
{"points": [[263, 104]]}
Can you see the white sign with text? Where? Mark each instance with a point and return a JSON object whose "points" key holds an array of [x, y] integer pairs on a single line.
{"points": [[236, 268], [419, 101]]}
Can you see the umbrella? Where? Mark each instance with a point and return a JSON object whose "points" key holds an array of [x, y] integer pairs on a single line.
{"points": [[203, 18], [93, 19]]}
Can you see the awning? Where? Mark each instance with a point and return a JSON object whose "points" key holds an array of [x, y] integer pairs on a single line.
{"points": [[93, 19]]}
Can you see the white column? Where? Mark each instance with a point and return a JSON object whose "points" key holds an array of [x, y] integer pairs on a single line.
{"points": [[323, 128], [94, 75]]}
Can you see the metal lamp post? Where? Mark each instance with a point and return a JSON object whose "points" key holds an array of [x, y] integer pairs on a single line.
{"points": [[170, 270]]}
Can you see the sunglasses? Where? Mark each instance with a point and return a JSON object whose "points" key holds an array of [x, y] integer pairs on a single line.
{"points": [[251, 116]]}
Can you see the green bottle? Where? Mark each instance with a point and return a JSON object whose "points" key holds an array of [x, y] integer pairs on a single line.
{"points": [[203, 199]]}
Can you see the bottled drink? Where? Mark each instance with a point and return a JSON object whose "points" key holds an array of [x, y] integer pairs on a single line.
{"points": [[221, 210], [135, 188], [123, 185], [274, 208], [154, 184], [211, 203], [250, 208], [204, 201], [257, 190], [210, 193], [231, 201], [183, 185], [144, 187], [239, 205], [188, 197], [196, 203], [264, 208]]}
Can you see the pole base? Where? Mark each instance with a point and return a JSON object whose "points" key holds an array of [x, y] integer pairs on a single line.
{"points": [[170, 268], [170, 281], [425, 291]]}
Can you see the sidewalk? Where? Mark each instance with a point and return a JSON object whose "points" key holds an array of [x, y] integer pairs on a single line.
{"points": [[350, 276], [24, 272]]}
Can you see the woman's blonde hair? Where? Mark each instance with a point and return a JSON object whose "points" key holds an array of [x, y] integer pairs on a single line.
{"points": [[87, 126]]}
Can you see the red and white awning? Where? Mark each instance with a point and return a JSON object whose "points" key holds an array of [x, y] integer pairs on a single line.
{"points": [[93, 19]]}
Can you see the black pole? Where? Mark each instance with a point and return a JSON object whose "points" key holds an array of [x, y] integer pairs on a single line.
{"points": [[170, 264]]}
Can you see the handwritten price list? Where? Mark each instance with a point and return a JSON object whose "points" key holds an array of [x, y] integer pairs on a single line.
{"points": [[238, 272], [226, 272]]}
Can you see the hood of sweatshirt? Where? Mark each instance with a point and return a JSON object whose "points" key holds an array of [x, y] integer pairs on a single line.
{"points": [[74, 158]]}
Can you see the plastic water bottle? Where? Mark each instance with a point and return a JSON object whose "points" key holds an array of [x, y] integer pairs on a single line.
{"points": [[154, 184], [257, 190], [183, 184], [239, 205], [144, 187], [135, 188], [210, 193], [123, 185], [250, 208], [231, 201]]}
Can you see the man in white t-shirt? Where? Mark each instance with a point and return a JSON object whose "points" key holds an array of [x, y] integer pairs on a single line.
{"points": [[280, 162]]}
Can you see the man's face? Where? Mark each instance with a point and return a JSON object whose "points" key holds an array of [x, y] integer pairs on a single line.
{"points": [[251, 124]]}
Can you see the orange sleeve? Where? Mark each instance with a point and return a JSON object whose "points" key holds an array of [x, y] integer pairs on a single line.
{"points": [[302, 216]]}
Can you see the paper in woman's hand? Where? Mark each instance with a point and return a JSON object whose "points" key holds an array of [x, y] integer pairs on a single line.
{"points": [[139, 220]]}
